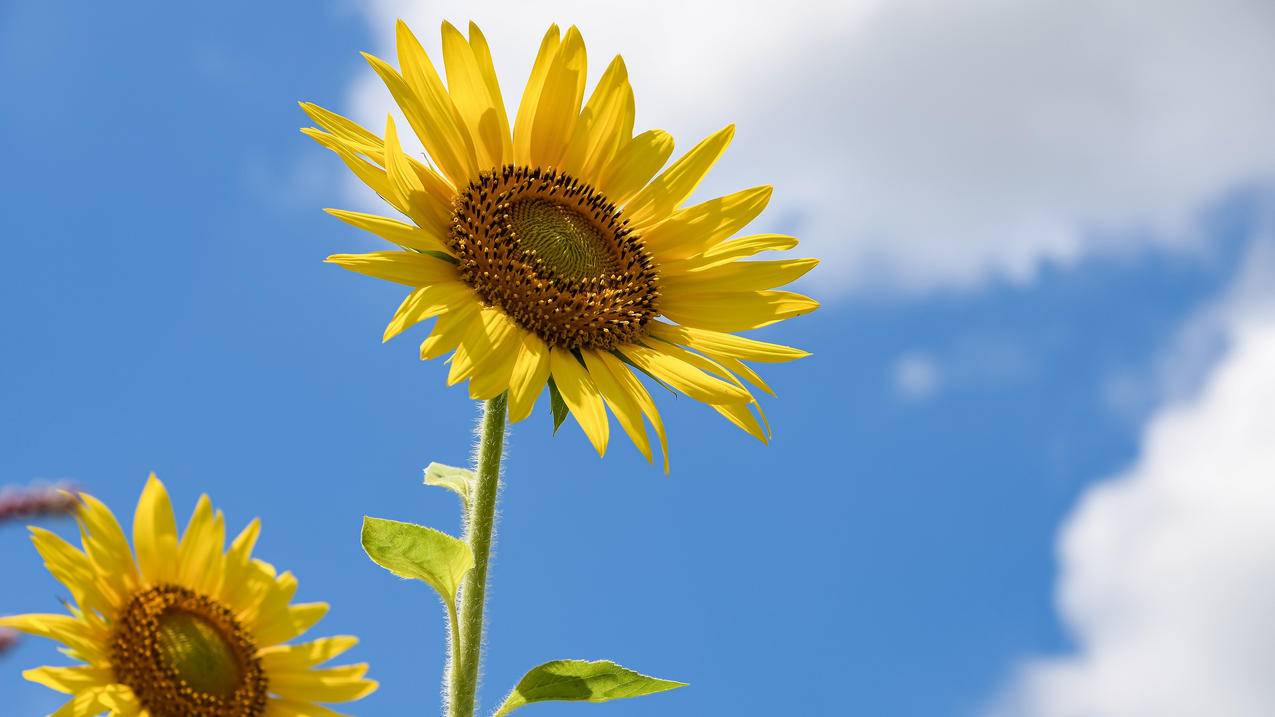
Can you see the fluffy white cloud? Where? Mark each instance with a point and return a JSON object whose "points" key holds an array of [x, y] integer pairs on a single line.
{"points": [[923, 143], [1167, 572], [916, 376]]}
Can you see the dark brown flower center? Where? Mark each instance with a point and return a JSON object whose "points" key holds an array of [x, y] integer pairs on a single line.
{"points": [[185, 655], [555, 256]]}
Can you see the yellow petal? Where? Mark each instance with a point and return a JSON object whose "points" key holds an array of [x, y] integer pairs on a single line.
{"points": [[530, 373], [368, 173], [71, 680], [738, 414], [342, 127], [581, 396], [492, 373], [200, 555], [663, 195], [724, 344], [481, 339], [733, 311], [400, 267], [333, 684], [692, 230], [404, 235], [605, 123], [482, 56], [298, 708], [685, 378], [726, 252], [407, 187], [286, 658], [620, 401], [740, 276], [531, 96], [559, 104], [476, 95], [426, 302], [106, 545], [87, 642], [635, 163], [449, 329], [431, 117], [155, 533], [630, 383], [295, 620]]}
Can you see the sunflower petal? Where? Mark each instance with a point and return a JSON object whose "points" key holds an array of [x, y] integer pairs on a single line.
{"points": [[400, 267], [155, 533], [733, 311], [559, 102], [693, 230], [685, 378], [581, 396], [333, 684], [724, 344], [477, 98], [404, 235], [530, 374], [605, 123], [531, 95], [729, 251], [291, 658], [666, 193], [635, 163], [741, 276], [620, 401], [426, 302], [70, 680], [630, 383]]}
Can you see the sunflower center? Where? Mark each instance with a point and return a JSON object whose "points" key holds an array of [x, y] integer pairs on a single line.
{"points": [[186, 655], [555, 256], [195, 650], [566, 241]]}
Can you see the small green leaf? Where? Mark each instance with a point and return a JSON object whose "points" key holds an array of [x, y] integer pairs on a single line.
{"points": [[458, 480], [581, 681], [420, 553], [557, 405]]}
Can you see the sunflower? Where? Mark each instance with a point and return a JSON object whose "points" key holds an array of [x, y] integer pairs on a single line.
{"points": [[185, 630], [554, 250]]}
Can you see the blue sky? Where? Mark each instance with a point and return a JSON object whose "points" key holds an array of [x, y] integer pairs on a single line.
{"points": [[889, 554]]}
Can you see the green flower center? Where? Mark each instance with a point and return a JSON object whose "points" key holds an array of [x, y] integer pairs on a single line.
{"points": [[185, 654], [197, 653], [556, 256], [567, 242]]}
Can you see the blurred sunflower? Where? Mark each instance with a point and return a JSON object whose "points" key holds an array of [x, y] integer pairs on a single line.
{"points": [[554, 250], [185, 630]]}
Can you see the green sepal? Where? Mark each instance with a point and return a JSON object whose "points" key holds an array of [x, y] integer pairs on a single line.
{"points": [[557, 405], [581, 681], [418, 553], [458, 480]]}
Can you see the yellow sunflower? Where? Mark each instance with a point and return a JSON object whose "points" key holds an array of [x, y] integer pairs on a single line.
{"points": [[555, 250], [185, 630]]}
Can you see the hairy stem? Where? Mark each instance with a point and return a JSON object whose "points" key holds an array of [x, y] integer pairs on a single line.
{"points": [[479, 528]]}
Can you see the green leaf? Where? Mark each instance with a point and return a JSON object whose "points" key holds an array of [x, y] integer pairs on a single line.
{"points": [[557, 405], [581, 681], [458, 480], [419, 553]]}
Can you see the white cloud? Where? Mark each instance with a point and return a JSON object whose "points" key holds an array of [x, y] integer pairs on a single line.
{"points": [[1167, 572], [921, 143], [916, 376]]}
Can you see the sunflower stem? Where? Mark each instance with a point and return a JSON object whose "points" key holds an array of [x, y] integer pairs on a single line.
{"points": [[479, 530]]}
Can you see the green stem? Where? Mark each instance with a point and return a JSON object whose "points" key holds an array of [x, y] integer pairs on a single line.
{"points": [[479, 529]]}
